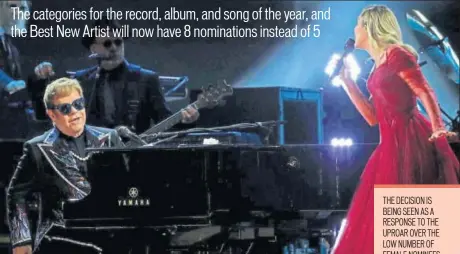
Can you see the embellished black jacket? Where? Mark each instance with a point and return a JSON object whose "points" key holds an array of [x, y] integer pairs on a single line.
{"points": [[47, 175]]}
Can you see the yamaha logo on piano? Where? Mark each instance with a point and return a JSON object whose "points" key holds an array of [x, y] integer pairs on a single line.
{"points": [[133, 199]]}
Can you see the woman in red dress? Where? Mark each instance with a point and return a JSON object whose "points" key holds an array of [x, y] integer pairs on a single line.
{"points": [[412, 150]]}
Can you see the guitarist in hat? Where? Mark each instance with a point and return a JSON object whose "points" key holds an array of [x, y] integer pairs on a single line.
{"points": [[117, 92]]}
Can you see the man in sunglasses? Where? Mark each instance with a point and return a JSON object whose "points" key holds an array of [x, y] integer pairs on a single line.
{"points": [[119, 92], [53, 168]]}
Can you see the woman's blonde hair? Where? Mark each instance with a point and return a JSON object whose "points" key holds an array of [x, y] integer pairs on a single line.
{"points": [[383, 28], [60, 87]]}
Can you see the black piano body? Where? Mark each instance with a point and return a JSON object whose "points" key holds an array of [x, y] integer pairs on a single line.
{"points": [[161, 186], [196, 185], [192, 193]]}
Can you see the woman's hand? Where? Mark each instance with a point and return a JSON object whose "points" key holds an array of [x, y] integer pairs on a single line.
{"points": [[443, 133]]}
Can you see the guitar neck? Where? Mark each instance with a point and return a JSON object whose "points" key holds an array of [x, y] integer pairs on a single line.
{"points": [[210, 97], [169, 122]]}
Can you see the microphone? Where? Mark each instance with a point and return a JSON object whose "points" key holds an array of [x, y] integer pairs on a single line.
{"points": [[96, 56], [99, 58], [125, 132], [348, 48]]}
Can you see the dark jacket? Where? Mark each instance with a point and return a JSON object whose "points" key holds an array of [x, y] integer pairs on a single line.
{"points": [[137, 93], [46, 176], [13, 108], [11, 62]]}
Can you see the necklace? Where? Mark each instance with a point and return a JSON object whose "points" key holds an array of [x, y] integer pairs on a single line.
{"points": [[84, 159]]}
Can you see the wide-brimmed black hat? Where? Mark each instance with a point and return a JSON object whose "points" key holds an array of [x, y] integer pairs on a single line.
{"points": [[103, 22]]}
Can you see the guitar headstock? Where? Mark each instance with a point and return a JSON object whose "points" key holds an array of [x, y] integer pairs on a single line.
{"points": [[213, 95]]}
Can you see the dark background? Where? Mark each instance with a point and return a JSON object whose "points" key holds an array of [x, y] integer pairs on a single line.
{"points": [[256, 62]]}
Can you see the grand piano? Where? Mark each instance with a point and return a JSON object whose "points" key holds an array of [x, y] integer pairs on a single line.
{"points": [[240, 190], [194, 193]]}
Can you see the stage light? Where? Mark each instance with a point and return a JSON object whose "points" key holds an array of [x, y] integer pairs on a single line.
{"points": [[341, 142], [331, 66]]}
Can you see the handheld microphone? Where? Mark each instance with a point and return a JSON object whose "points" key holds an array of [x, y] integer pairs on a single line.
{"points": [[348, 48], [125, 132]]}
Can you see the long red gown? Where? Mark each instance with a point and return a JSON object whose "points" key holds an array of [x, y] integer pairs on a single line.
{"points": [[404, 155]]}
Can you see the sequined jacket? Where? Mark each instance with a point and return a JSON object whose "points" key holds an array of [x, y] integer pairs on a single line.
{"points": [[46, 176]]}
